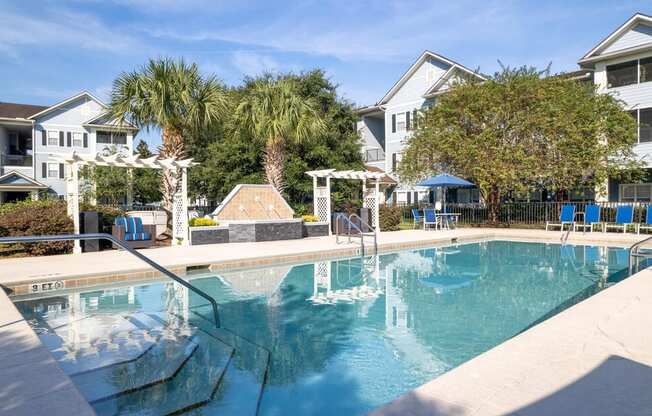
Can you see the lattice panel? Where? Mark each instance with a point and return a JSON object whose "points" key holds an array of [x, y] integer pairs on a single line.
{"points": [[370, 202], [322, 208], [177, 217]]}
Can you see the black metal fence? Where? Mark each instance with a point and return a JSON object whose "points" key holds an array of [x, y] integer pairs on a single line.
{"points": [[527, 213]]}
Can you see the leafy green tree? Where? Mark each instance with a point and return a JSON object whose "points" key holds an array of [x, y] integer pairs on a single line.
{"points": [[523, 130], [146, 184], [173, 96], [238, 157], [274, 112]]}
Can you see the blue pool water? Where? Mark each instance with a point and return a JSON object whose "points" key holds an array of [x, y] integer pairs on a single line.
{"points": [[344, 336]]}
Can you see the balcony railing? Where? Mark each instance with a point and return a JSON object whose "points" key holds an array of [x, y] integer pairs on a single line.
{"points": [[16, 160], [373, 155]]}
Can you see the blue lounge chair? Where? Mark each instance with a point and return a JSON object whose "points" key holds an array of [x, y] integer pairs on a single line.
{"points": [[624, 217], [567, 216], [429, 218], [591, 218], [416, 217], [132, 231], [647, 225]]}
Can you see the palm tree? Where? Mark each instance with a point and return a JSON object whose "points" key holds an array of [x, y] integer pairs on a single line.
{"points": [[174, 97], [273, 111]]}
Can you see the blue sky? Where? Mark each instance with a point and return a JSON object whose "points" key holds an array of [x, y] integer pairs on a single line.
{"points": [[50, 50]]}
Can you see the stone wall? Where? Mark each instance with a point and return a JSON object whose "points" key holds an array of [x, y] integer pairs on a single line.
{"points": [[208, 235], [315, 229]]}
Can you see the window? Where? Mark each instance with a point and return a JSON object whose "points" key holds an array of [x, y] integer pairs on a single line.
{"points": [[53, 170], [119, 138], [400, 122], [622, 74], [77, 139], [636, 192], [107, 137], [645, 125], [104, 137], [53, 138], [645, 70]]}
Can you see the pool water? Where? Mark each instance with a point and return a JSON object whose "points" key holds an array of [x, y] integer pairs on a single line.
{"points": [[343, 336]]}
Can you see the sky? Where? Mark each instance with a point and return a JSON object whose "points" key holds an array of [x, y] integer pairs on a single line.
{"points": [[53, 49]]}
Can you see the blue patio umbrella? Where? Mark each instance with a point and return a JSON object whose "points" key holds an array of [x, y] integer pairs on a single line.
{"points": [[445, 181]]}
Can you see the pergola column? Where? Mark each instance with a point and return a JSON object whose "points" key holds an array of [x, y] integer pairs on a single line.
{"points": [[72, 197]]}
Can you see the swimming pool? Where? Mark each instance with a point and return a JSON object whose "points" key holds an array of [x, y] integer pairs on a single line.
{"points": [[342, 337]]}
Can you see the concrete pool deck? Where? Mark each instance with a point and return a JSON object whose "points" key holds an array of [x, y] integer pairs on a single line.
{"points": [[598, 349]]}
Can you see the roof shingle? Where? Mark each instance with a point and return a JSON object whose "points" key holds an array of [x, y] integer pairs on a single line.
{"points": [[13, 110]]}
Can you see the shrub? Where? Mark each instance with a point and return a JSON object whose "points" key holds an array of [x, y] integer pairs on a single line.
{"points": [[202, 222], [37, 218], [390, 218], [310, 218]]}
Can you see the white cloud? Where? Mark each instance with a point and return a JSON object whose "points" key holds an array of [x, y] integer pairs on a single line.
{"points": [[252, 63], [60, 28]]}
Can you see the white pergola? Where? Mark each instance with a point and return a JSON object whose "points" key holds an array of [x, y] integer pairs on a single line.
{"points": [[322, 192], [74, 161]]}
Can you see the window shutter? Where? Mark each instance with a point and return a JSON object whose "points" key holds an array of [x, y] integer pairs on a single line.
{"points": [[61, 175], [85, 139], [69, 138], [44, 137], [414, 119], [393, 162], [61, 143], [393, 123], [44, 170], [407, 120]]}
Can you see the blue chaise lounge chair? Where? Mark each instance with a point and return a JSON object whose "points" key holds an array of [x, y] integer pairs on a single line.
{"points": [[132, 231], [416, 217], [566, 217], [591, 218], [624, 218]]}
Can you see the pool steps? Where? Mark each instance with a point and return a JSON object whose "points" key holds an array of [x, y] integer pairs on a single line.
{"points": [[160, 363]]}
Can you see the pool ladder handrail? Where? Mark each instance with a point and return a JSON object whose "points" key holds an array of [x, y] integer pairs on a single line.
{"points": [[634, 251], [122, 245], [361, 234]]}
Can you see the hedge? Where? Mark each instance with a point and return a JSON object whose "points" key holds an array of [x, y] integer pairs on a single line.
{"points": [[37, 218], [390, 218]]}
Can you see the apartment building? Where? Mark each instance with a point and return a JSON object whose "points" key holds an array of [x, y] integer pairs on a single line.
{"points": [[31, 136]]}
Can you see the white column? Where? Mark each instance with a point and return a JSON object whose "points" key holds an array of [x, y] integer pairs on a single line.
{"points": [[377, 209], [184, 209], [328, 204], [130, 187], [315, 211], [364, 193], [72, 196], [34, 195]]}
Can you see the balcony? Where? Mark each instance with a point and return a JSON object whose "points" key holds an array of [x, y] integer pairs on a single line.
{"points": [[373, 155], [16, 160]]}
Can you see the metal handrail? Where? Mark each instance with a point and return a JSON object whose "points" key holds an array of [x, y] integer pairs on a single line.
{"points": [[368, 227], [349, 223], [121, 244], [634, 252]]}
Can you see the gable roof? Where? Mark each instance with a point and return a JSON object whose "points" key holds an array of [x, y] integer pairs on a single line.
{"points": [[412, 69], [638, 18], [16, 180], [14, 110], [66, 101], [105, 120]]}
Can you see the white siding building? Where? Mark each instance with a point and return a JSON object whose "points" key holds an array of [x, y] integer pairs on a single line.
{"points": [[622, 67], [31, 135], [385, 125]]}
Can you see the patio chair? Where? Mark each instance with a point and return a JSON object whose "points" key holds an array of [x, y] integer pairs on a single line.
{"points": [[647, 225], [132, 231], [429, 218], [417, 218], [624, 217], [567, 216], [591, 218]]}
